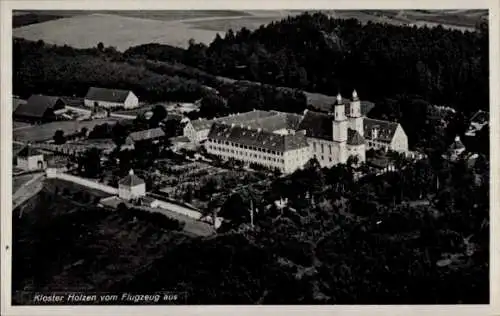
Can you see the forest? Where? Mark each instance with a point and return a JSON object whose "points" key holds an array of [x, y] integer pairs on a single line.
{"points": [[315, 53], [419, 235]]}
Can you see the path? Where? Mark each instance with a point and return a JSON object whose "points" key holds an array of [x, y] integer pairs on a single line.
{"points": [[28, 189]]}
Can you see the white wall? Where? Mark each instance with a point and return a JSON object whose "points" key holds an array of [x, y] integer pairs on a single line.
{"points": [[176, 208], [82, 181], [127, 193], [30, 163], [400, 140], [286, 162], [328, 153], [131, 101]]}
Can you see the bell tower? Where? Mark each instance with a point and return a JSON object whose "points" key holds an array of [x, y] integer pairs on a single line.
{"points": [[355, 117], [339, 121], [339, 130]]}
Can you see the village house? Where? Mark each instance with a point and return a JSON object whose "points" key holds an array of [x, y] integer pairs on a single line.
{"points": [[111, 98], [154, 135], [477, 122], [385, 135], [131, 187], [29, 159], [455, 150], [38, 108]]}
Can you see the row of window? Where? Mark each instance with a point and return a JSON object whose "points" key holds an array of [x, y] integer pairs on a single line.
{"points": [[376, 145], [245, 154], [227, 143], [322, 146]]}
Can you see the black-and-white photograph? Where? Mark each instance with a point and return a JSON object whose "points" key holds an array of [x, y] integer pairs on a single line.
{"points": [[243, 157]]}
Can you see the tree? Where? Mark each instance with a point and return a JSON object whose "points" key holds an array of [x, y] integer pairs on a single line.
{"points": [[234, 208], [159, 114], [213, 106], [59, 137], [90, 162], [100, 46]]}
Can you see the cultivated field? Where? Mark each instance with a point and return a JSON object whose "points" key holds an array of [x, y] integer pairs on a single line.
{"points": [[123, 29], [113, 30], [45, 132]]}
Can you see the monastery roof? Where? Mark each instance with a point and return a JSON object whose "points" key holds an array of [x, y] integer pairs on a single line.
{"points": [[323, 103], [257, 138], [317, 125], [232, 119], [386, 129], [109, 95], [354, 138]]}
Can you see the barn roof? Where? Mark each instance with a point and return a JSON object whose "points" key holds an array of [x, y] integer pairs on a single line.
{"points": [[37, 105], [16, 102], [147, 134], [109, 95]]}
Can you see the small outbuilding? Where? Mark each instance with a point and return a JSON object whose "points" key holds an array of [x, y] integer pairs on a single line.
{"points": [[30, 159], [131, 187]]}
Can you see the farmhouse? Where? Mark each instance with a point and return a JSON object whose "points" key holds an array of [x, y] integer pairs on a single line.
{"points": [[154, 135], [131, 187], [111, 98], [38, 109], [29, 159]]}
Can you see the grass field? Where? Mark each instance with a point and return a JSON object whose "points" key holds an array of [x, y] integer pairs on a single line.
{"points": [[46, 131], [123, 29], [112, 30], [16, 124]]}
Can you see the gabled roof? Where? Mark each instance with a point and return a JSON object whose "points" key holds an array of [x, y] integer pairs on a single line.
{"points": [[131, 180], [457, 144], [147, 134], [324, 103], [257, 138], [317, 125], [354, 138], [109, 95], [16, 102], [385, 129], [480, 117], [232, 119], [37, 105], [27, 151]]}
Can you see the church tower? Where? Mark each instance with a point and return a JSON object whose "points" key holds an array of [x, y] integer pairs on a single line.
{"points": [[355, 117], [339, 130]]}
